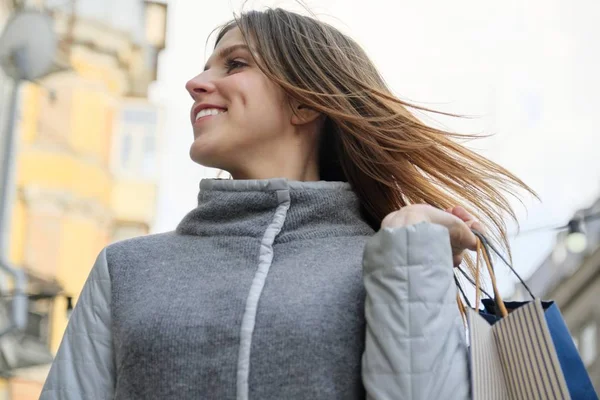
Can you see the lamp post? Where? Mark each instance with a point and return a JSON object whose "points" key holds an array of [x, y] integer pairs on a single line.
{"points": [[19, 303], [7, 163], [28, 47]]}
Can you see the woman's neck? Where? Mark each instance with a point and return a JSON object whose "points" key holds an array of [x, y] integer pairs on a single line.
{"points": [[288, 166]]}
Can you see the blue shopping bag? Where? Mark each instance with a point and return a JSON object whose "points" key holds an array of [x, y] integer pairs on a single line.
{"points": [[578, 381]]}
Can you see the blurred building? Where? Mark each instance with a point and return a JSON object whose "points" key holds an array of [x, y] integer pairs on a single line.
{"points": [[573, 281], [5, 11], [86, 160]]}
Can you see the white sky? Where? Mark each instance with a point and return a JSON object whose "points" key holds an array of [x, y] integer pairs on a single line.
{"points": [[528, 71]]}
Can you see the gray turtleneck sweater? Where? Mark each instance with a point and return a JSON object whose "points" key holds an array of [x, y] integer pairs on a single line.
{"points": [[261, 293]]}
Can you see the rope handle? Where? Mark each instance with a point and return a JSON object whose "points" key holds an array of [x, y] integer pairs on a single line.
{"points": [[487, 245], [483, 254]]}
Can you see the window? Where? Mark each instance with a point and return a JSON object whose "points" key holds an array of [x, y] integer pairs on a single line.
{"points": [[139, 116], [137, 141], [126, 146], [588, 345], [149, 155]]}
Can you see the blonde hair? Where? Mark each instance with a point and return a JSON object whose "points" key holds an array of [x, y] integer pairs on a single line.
{"points": [[370, 138]]}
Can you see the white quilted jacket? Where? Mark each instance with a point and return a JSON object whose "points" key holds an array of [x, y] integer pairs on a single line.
{"points": [[415, 343]]}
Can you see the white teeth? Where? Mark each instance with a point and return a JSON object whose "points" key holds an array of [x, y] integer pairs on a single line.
{"points": [[209, 111]]}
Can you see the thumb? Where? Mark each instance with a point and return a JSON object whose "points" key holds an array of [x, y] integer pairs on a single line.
{"points": [[465, 238], [461, 237]]}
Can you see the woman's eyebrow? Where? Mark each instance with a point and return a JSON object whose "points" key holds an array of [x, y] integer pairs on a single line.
{"points": [[228, 50]]}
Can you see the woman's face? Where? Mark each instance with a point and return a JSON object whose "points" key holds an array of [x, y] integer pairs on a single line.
{"points": [[239, 116]]}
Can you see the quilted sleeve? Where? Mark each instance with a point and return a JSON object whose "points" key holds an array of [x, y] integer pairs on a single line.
{"points": [[84, 367], [415, 342]]}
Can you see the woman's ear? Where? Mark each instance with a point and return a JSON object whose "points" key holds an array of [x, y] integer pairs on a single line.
{"points": [[302, 114]]}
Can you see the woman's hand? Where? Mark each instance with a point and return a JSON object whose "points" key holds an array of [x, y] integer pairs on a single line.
{"points": [[458, 221]]}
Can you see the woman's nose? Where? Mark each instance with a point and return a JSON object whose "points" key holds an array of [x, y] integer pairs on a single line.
{"points": [[199, 85]]}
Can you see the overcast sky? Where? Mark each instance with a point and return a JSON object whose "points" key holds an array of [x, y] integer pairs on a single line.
{"points": [[526, 71]]}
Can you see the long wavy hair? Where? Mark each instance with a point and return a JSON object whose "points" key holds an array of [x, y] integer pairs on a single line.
{"points": [[370, 138]]}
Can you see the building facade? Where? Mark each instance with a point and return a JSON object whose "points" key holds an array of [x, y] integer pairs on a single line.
{"points": [[86, 160], [572, 280]]}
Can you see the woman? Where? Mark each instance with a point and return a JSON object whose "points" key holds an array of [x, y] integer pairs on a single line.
{"points": [[259, 293]]}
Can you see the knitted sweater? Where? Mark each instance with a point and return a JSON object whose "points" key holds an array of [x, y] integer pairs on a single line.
{"points": [[258, 294]]}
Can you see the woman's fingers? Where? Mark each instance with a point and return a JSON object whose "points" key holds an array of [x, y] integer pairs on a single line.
{"points": [[461, 237], [476, 225], [457, 219], [463, 214], [464, 238], [457, 259], [467, 217]]}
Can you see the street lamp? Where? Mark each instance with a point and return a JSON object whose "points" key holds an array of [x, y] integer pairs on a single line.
{"points": [[28, 47], [576, 239]]}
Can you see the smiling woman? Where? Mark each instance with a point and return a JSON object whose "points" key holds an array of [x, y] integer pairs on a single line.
{"points": [[249, 111], [339, 196]]}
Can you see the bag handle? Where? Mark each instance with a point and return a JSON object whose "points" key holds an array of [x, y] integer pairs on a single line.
{"points": [[472, 282], [497, 297], [483, 252], [488, 245]]}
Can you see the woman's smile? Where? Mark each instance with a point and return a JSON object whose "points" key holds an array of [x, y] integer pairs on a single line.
{"points": [[207, 114]]}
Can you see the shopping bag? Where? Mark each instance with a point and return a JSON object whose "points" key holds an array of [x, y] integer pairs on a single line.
{"points": [[576, 376], [521, 350]]}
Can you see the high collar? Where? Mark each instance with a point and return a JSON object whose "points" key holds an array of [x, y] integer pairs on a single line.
{"points": [[247, 207]]}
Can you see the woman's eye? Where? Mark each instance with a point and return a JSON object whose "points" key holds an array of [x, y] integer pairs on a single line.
{"points": [[234, 64]]}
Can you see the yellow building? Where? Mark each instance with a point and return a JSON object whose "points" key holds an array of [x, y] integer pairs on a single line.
{"points": [[86, 161]]}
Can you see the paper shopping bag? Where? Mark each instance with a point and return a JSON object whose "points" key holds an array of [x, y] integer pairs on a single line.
{"points": [[521, 350], [577, 379], [515, 358]]}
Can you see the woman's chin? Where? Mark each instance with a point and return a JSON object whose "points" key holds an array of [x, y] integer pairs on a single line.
{"points": [[201, 154]]}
